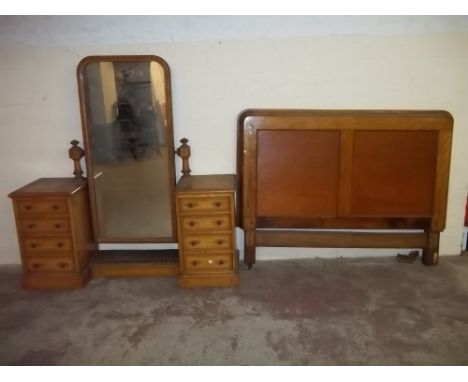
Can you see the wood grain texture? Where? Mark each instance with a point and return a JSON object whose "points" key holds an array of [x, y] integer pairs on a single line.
{"points": [[206, 229], [344, 222], [135, 263], [210, 264], [393, 173], [442, 180], [81, 226], [54, 233], [64, 281], [47, 187], [209, 281], [347, 119], [385, 169], [340, 239], [249, 175], [430, 254], [208, 223], [293, 163], [207, 183], [134, 270], [346, 165]]}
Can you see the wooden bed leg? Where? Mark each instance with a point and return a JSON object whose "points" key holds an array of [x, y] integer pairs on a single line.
{"points": [[249, 249], [430, 255]]}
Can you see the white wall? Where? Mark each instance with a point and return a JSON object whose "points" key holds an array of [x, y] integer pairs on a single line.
{"points": [[220, 66]]}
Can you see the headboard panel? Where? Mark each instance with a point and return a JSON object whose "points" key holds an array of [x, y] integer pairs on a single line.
{"points": [[324, 169]]}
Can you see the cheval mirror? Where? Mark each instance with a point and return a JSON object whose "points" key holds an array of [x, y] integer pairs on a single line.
{"points": [[126, 112]]}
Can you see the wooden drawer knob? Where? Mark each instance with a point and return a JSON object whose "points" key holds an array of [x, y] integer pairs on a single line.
{"points": [[31, 225], [219, 242], [60, 245], [58, 225], [219, 222], [193, 242], [194, 263], [33, 245], [191, 205], [217, 204], [36, 265], [191, 223], [63, 265], [221, 262], [28, 207]]}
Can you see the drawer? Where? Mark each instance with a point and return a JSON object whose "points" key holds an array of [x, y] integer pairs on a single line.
{"points": [[36, 226], [208, 264], [42, 206], [44, 264], [212, 223], [207, 241], [53, 244], [204, 203]]}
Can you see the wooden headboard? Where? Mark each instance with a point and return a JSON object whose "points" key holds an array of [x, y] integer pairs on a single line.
{"points": [[336, 169]]}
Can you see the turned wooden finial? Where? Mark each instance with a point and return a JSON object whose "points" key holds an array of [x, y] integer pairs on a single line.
{"points": [[76, 153], [184, 152]]}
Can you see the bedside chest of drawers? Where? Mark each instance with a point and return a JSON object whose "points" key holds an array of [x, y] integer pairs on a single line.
{"points": [[206, 231], [54, 233]]}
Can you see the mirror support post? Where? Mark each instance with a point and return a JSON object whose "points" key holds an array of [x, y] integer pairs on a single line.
{"points": [[76, 153], [183, 151]]}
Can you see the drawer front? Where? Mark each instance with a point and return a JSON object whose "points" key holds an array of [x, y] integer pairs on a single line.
{"points": [[44, 264], [212, 203], [212, 223], [53, 244], [31, 226], [42, 206], [208, 241], [208, 264]]}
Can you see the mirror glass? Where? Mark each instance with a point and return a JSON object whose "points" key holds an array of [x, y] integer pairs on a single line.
{"points": [[127, 126]]}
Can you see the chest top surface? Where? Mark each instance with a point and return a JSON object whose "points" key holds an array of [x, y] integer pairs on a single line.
{"points": [[49, 187], [206, 183]]}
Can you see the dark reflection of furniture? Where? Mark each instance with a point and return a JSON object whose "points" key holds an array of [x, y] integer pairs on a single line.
{"points": [[126, 112], [325, 170]]}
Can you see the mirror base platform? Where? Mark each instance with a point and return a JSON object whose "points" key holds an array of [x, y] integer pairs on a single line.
{"points": [[124, 263]]}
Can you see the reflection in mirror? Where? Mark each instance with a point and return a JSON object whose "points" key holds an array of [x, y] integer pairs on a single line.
{"points": [[129, 147]]}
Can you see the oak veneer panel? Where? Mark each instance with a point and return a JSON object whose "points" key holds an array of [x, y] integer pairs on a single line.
{"points": [[382, 169], [393, 173], [299, 174]]}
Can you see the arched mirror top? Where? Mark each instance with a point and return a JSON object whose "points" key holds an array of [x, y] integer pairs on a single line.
{"points": [[126, 111]]}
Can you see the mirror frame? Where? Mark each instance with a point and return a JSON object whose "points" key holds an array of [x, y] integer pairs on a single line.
{"points": [[87, 145]]}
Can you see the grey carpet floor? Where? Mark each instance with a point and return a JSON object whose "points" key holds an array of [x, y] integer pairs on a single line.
{"points": [[297, 312]]}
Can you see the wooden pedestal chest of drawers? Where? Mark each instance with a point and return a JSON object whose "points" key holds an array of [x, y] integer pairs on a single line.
{"points": [[206, 230], [54, 233]]}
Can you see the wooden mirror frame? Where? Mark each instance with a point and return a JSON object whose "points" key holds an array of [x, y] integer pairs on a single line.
{"points": [[87, 145]]}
